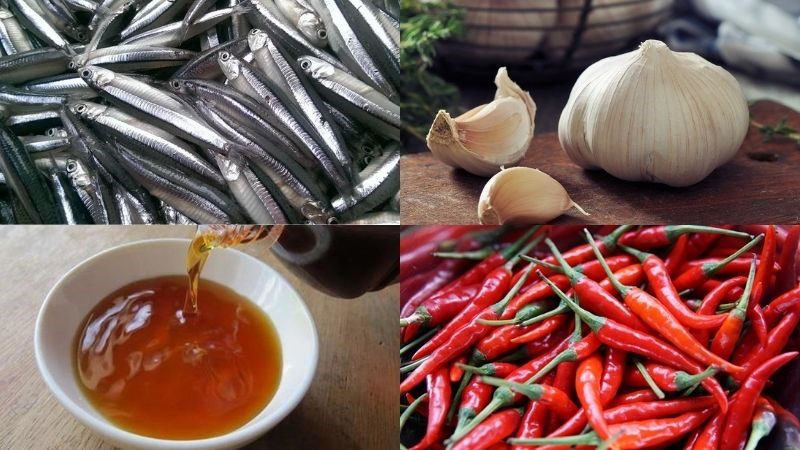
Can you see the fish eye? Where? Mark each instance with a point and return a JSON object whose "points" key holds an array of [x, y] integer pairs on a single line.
{"points": [[86, 73], [80, 108], [71, 65], [71, 166], [254, 31], [305, 64], [332, 220], [224, 56], [175, 84], [322, 34]]}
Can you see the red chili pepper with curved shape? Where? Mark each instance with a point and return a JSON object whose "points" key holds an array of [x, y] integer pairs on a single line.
{"points": [[501, 340], [437, 310], [677, 255], [537, 331], [711, 435], [417, 248], [587, 381], [744, 402], [583, 253], [713, 299], [667, 294], [439, 398], [776, 341], [662, 236], [695, 276], [788, 301], [786, 278], [493, 430], [699, 243], [666, 378], [533, 422], [625, 338], [738, 267], [557, 400], [477, 394], [764, 274], [728, 334], [642, 395], [456, 372]]}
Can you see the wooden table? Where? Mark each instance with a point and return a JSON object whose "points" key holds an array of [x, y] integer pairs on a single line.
{"points": [[760, 185], [352, 402]]}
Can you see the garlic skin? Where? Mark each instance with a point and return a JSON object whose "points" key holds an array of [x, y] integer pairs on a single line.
{"points": [[489, 136], [523, 196], [654, 115]]}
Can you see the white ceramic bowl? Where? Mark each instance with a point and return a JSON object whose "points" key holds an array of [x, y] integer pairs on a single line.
{"points": [[80, 289]]}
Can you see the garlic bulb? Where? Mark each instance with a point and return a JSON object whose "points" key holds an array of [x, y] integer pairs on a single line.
{"points": [[522, 195], [489, 136], [654, 115]]}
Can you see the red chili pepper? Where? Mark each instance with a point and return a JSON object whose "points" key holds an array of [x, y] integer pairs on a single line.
{"points": [[699, 243], [461, 340], [711, 435], [656, 409], [613, 372], [677, 255], [697, 275], [788, 301], [501, 340], [666, 378], [438, 403], [744, 401], [533, 422], [776, 341], [493, 288], [642, 395], [635, 434], [541, 329], [667, 294], [712, 300], [728, 335], [493, 430], [615, 334], [738, 267], [437, 310], [764, 273], [477, 394], [456, 372], [787, 275], [588, 385], [443, 274], [564, 380], [557, 400], [661, 236]]}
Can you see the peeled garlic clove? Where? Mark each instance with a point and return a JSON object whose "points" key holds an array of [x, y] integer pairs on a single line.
{"points": [[522, 195], [654, 115], [489, 136]]}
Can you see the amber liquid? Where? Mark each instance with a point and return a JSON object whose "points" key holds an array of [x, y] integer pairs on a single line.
{"points": [[209, 237], [153, 369]]}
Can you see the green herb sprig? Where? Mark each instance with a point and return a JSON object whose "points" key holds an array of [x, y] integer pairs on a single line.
{"points": [[423, 24], [779, 129]]}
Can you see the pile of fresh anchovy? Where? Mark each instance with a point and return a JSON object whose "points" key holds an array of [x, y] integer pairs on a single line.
{"points": [[199, 111]]}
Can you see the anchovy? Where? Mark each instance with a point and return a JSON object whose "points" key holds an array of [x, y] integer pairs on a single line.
{"points": [[65, 84], [145, 136], [24, 180], [20, 100], [87, 184], [40, 144], [382, 44], [350, 49], [154, 14], [71, 210], [153, 103], [12, 36], [243, 77], [354, 97], [175, 33], [204, 65], [32, 64], [268, 17], [33, 122], [39, 25], [233, 171], [303, 16], [133, 57], [380, 181]]}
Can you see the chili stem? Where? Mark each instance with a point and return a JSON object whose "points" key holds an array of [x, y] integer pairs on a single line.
{"points": [[712, 268], [609, 273], [544, 264], [581, 439], [560, 309], [649, 380], [410, 410], [532, 391], [413, 365]]}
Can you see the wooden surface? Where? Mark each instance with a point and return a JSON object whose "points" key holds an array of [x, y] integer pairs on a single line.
{"points": [[351, 404], [761, 185]]}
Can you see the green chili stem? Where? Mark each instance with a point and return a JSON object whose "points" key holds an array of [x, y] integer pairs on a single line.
{"points": [[712, 268], [413, 365], [410, 410], [650, 382], [419, 340]]}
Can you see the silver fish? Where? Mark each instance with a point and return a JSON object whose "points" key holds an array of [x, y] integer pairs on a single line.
{"points": [[233, 171], [354, 97], [12, 36], [86, 184], [302, 15], [175, 33], [27, 14], [380, 181], [296, 92], [133, 57], [347, 45]]}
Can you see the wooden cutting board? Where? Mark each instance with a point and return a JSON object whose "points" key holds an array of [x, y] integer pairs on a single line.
{"points": [[760, 185]]}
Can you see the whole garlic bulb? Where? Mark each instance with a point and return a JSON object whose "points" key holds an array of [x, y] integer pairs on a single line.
{"points": [[489, 136], [523, 196], [654, 115]]}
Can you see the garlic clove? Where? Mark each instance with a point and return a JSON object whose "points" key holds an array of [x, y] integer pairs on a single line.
{"points": [[489, 136], [654, 115], [521, 196]]}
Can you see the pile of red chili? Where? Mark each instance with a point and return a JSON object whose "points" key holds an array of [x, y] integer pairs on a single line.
{"points": [[556, 337]]}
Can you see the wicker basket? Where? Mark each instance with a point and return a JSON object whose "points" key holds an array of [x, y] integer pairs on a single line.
{"points": [[549, 37]]}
